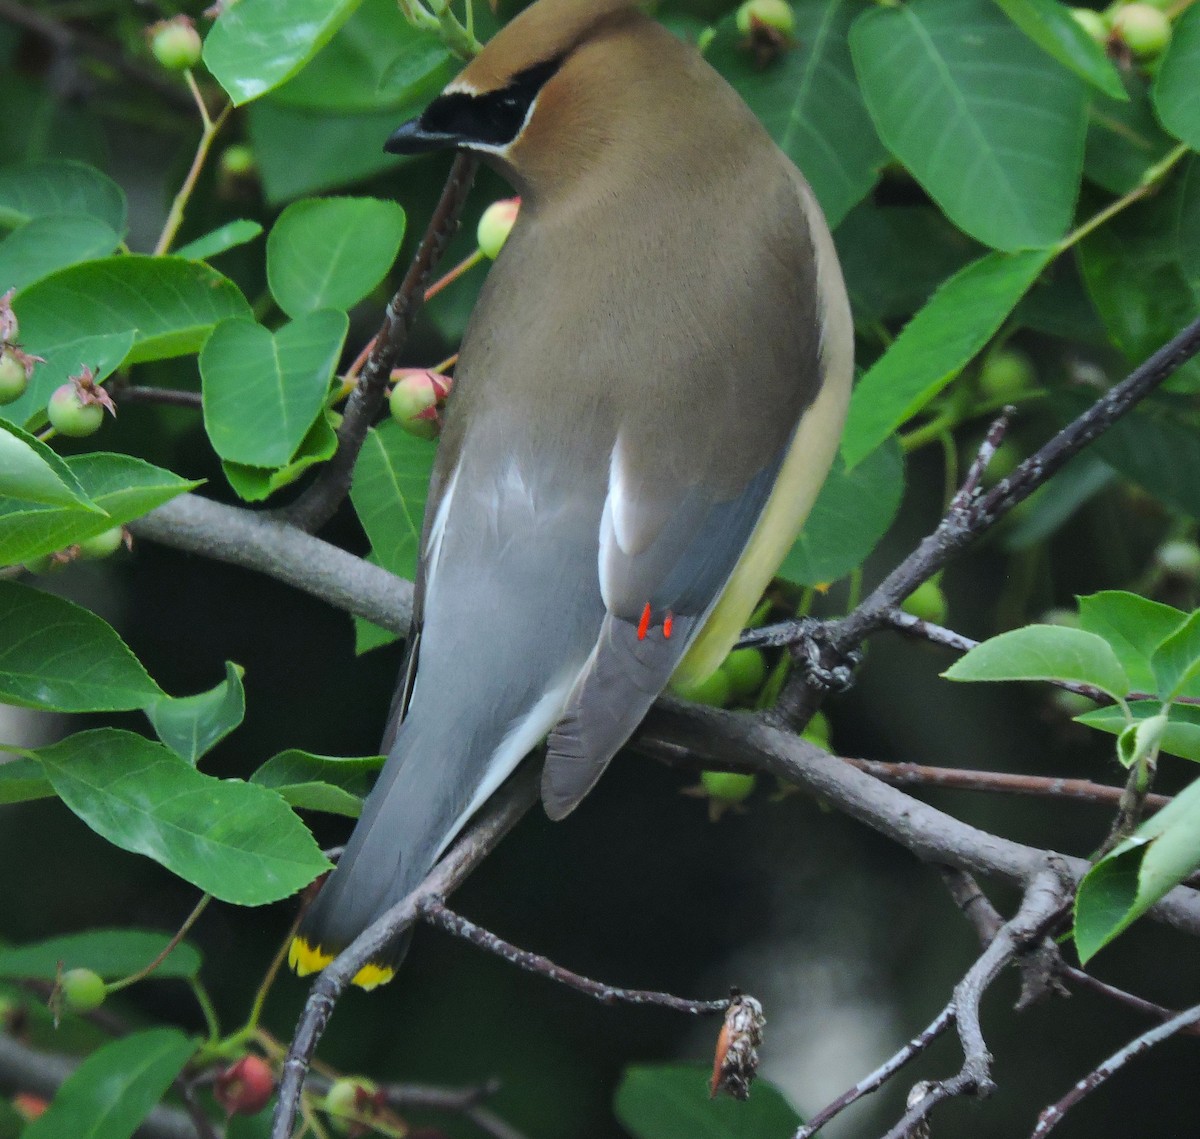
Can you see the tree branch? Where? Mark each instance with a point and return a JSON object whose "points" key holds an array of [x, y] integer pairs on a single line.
{"points": [[319, 502], [434, 910], [478, 840], [1053, 1115]]}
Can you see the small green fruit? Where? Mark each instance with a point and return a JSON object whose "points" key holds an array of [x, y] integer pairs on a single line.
{"points": [[1142, 28], [775, 15], [69, 415], [14, 378], [927, 602], [102, 545], [82, 990], [348, 1100], [716, 690], [1093, 23], [495, 225], [237, 161], [415, 399], [816, 731], [1180, 558], [175, 43], [746, 669], [728, 786], [1007, 373]]}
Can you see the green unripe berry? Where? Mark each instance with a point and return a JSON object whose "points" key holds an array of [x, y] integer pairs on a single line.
{"points": [[237, 161], [746, 669], [415, 399], [69, 415], [1143, 29], [350, 1099], [715, 690], [1006, 373], [102, 545], [775, 15], [82, 990], [728, 786], [14, 378], [816, 731], [927, 602], [495, 225], [175, 43], [1180, 558], [1093, 23]]}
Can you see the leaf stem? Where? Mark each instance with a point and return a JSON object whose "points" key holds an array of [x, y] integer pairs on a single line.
{"points": [[211, 127], [180, 934]]}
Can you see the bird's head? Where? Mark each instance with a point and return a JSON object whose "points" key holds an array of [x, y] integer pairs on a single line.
{"points": [[541, 101]]}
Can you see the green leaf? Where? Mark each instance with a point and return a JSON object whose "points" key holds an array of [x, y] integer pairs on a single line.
{"points": [[667, 1101], [852, 512], [113, 1090], [1182, 734], [809, 101], [256, 45], [989, 125], [331, 252], [339, 149], [391, 482], [1176, 91], [256, 483], [320, 782], [1044, 652], [48, 243], [171, 303], [22, 780], [113, 953], [894, 257], [1142, 270], [1136, 873], [234, 840], [1177, 660], [191, 726], [263, 391], [227, 236], [59, 657], [1050, 25], [1134, 626], [377, 60], [960, 318], [1124, 138], [122, 488], [36, 189], [63, 359], [32, 472]]}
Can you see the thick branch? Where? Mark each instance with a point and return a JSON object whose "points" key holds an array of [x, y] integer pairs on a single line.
{"points": [[317, 505], [259, 542]]}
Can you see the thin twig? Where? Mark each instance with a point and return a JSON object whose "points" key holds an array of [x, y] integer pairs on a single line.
{"points": [[497, 818], [134, 393], [434, 910], [1053, 1115], [319, 502], [1045, 901], [880, 1076]]}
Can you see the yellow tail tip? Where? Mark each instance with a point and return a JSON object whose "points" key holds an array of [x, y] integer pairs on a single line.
{"points": [[305, 959]]}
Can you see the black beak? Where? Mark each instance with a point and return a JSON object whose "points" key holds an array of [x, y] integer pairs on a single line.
{"points": [[412, 138]]}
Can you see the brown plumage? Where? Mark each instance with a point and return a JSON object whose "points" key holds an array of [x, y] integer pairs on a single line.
{"points": [[648, 395]]}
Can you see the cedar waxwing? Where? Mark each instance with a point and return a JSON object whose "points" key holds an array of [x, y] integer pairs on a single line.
{"points": [[648, 396]]}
